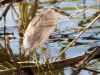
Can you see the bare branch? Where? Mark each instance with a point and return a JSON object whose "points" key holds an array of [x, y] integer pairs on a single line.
{"points": [[86, 60], [86, 8], [2, 2], [6, 10], [55, 65], [95, 20], [11, 54]]}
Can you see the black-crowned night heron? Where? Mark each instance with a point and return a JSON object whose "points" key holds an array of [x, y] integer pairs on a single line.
{"points": [[40, 28]]}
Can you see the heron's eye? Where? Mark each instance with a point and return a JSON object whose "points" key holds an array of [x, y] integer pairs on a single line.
{"points": [[55, 10]]}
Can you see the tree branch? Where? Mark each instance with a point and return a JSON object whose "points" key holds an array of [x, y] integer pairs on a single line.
{"points": [[6, 10], [86, 60], [95, 20], [11, 54], [56, 65]]}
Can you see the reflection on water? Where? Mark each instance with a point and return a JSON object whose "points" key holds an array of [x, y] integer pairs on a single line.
{"points": [[21, 14]]}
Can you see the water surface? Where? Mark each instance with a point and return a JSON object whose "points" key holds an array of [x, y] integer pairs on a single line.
{"points": [[19, 17]]}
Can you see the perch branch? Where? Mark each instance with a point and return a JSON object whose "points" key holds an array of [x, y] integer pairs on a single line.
{"points": [[56, 65]]}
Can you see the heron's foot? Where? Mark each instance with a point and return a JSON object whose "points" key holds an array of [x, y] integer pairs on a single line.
{"points": [[39, 66], [48, 64]]}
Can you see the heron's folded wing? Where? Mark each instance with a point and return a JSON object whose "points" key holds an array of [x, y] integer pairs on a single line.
{"points": [[32, 33], [36, 28]]}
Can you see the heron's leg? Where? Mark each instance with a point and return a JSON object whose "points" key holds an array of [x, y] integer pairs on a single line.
{"points": [[36, 59], [44, 55], [46, 61], [37, 62]]}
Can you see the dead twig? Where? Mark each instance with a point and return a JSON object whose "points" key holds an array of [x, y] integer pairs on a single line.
{"points": [[85, 8], [86, 60], [11, 54], [78, 36], [6, 10], [2, 2], [35, 6]]}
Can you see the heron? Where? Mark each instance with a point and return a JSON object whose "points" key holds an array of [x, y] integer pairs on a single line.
{"points": [[40, 28]]}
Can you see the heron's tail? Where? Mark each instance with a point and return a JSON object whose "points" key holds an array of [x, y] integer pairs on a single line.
{"points": [[25, 52]]}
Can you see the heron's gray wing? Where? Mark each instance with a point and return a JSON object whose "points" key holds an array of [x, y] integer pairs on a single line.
{"points": [[32, 34], [37, 28]]}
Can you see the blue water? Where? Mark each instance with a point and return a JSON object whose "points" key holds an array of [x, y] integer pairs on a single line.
{"points": [[90, 39]]}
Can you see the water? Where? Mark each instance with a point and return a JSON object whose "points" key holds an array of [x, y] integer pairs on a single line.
{"points": [[87, 42]]}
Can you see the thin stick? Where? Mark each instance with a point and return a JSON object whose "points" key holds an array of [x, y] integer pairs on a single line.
{"points": [[78, 36], [11, 54], [86, 60], [6, 10], [85, 8]]}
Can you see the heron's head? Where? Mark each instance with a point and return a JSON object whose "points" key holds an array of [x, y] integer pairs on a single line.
{"points": [[58, 9]]}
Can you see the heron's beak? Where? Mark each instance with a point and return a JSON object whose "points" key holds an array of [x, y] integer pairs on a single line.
{"points": [[64, 13]]}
